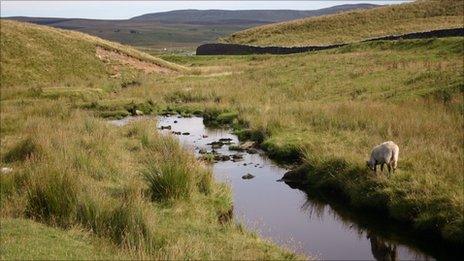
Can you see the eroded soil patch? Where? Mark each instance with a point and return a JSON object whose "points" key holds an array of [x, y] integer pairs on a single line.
{"points": [[117, 59]]}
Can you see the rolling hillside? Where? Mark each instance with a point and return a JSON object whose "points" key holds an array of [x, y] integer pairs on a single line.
{"points": [[56, 56], [356, 25], [181, 28]]}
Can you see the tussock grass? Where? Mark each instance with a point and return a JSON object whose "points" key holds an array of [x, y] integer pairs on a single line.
{"points": [[22, 151], [170, 180], [174, 177], [52, 196], [171, 172], [353, 26]]}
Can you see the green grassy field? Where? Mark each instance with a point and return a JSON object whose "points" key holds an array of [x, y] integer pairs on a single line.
{"points": [[354, 26], [146, 197], [84, 189]]}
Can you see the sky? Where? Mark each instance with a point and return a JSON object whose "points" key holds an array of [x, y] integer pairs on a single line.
{"points": [[128, 9]]}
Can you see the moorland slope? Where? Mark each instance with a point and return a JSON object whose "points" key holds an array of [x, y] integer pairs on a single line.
{"points": [[353, 26], [35, 55]]}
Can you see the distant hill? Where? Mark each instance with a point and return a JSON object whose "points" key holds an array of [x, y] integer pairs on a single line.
{"points": [[192, 16], [56, 56], [422, 15], [181, 28]]}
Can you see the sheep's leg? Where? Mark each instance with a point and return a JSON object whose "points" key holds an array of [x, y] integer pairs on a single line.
{"points": [[382, 166], [375, 168], [389, 168]]}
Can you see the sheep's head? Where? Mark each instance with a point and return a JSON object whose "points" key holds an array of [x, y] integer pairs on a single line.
{"points": [[369, 165]]}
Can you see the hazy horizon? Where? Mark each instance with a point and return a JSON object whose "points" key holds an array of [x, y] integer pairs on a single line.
{"points": [[129, 9]]}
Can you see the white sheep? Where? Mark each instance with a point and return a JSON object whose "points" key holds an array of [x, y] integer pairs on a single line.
{"points": [[385, 153]]}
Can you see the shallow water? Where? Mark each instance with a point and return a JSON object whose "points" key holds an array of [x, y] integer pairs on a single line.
{"points": [[284, 215]]}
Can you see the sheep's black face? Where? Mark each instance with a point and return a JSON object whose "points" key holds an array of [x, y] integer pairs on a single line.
{"points": [[368, 164]]}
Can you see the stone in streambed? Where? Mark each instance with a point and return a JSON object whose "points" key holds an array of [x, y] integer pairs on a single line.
{"points": [[247, 145], [235, 148], [237, 157], [216, 144], [221, 157], [225, 141], [252, 151], [248, 176]]}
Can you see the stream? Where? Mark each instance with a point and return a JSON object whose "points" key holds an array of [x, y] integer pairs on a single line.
{"points": [[290, 217]]}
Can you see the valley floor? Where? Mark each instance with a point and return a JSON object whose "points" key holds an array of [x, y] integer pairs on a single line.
{"points": [[324, 110]]}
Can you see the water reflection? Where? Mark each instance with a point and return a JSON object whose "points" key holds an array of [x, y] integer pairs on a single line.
{"points": [[387, 238], [382, 250]]}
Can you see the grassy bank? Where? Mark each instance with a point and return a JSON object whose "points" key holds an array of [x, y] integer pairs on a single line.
{"points": [[329, 108], [81, 188], [354, 26]]}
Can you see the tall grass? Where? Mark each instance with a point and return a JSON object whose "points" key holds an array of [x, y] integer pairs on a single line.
{"points": [[52, 196], [171, 172], [61, 191], [169, 180], [22, 151]]}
